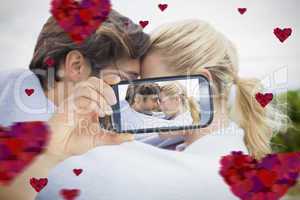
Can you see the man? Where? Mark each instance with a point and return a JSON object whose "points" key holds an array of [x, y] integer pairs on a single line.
{"points": [[145, 98], [58, 64], [61, 71]]}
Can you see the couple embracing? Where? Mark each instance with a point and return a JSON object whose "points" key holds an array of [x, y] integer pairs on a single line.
{"points": [[77, 88]]}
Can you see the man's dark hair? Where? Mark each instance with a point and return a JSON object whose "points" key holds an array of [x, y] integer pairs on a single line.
{"points": [[141, 89], [118, 37], [147, 89]]}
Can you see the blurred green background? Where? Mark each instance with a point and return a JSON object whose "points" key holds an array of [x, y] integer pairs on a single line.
{"points": [[290, 140]]}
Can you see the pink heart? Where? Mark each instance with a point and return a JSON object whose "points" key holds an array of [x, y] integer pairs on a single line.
{"points": [[69, 194], [20, 144], [144, 23], [80, 19], [38, 184], [163, 7], [29, 92], [242, 10], [283, 34], [77, 171], [264, 99], [267, 179], [50, 62]]}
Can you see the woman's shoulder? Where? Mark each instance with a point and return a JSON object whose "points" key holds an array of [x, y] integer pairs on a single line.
{"points": [[220, 142]]}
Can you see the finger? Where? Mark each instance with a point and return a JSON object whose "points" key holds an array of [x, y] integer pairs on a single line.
{"points": [[85, 105], [172, 134], [89, 97], [103, 88], [94, 129], [111, 79], [94, 117]]}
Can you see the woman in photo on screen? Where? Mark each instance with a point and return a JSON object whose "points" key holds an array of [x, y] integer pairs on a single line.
{"points": [[177, 105]]}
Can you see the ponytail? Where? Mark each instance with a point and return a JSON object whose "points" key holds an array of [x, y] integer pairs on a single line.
{"points": [[254, 119], [195, 110]]}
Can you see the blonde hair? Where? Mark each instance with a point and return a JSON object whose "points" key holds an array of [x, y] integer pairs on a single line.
{"points": [[191, 45], [176, 89]]}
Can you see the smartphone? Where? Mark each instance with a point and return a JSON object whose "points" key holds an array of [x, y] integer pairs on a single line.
{"points": [[161, 104]]}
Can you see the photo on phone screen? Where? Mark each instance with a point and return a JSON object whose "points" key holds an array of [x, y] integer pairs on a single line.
{"points": [[162, 104]]}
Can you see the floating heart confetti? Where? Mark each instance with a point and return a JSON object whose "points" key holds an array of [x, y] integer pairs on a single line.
{"points": [[163, 7], [80, 19], [242, 10], [126, 23], [264, 99], [38, 184], [77, 171], [50, 62], [268, 179], [144, 23], [20, 144], [29, 92], [283, 34], [69, 194]]}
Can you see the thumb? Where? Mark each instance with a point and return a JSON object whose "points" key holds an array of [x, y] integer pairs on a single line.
{"points": [[111, 79]]}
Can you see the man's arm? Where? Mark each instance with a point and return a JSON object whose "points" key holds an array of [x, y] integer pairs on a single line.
{"points": [[68, 138]]}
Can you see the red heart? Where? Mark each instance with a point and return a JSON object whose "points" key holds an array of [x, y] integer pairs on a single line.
{"points": [[80, 19], [144, 23], [264, 99], [163, 7], [29, 92], [283, 34], [126, 23], [38, 184], [50, 62], [20, 144], [242, 10], [77, 171], [269, 178], [69, 194]]}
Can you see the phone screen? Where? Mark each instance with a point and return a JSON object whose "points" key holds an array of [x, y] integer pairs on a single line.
{"points": [[162, 104]]}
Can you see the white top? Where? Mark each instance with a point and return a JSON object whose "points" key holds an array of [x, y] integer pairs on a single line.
{"points": [[132, 120], [135, 171], [16, 105]]}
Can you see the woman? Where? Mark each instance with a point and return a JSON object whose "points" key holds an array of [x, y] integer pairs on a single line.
{"points": [[176, 104], [193, 47]]}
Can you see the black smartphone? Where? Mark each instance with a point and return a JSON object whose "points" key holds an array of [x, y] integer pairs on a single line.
{"points": [[161, 104]]}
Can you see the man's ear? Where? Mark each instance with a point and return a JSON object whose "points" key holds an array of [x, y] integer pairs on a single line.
{"points": [[137, 99], [75, 66]]}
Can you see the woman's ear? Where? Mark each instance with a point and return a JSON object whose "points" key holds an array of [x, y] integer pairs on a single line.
{"points": [[75, 67]]}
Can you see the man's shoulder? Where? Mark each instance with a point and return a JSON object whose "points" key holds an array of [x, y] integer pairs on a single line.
{"points": [[10, 75]]}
